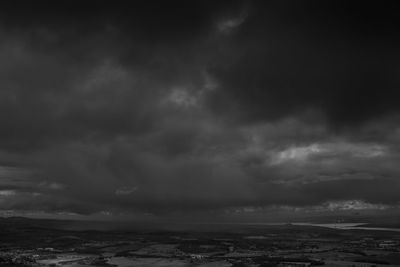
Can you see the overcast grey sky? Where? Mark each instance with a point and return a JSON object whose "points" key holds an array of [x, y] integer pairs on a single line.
{"points": [[174, 108]]}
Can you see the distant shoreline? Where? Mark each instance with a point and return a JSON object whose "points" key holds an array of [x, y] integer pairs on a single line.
{"points": [[337, 226], [351, 226]]}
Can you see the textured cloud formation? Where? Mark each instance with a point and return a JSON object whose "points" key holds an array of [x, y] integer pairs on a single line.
{"points": [[165, 108]]}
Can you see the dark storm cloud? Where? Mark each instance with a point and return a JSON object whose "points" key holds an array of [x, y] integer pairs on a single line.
{"points": [[167, 107], [333, 57]]}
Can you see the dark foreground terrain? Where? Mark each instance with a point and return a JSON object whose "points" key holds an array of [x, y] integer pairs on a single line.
{"points": [[28, 242]]}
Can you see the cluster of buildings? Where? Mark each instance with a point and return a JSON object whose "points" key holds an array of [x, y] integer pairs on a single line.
{"points": [[371, 243]]}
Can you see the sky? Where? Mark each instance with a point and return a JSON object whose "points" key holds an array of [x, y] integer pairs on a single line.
{"points": [[198, 109]]}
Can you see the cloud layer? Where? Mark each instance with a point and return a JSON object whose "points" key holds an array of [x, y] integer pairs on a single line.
{"points": [[162, 108]]}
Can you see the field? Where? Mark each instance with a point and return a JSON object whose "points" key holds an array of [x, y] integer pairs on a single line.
{"points": [[28, 242]]}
